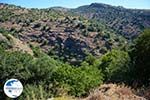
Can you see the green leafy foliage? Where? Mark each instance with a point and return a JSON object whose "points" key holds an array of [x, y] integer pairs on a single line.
{"points": [[115, 65], [13, 65], [34, 92], [77, 80], [41, 69], [141, 57]]}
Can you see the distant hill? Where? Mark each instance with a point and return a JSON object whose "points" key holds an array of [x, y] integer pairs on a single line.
{"points": [[60, 8], [128, 22]]}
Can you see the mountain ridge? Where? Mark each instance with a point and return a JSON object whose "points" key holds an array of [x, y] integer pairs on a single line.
{"points": [[128, 22]]}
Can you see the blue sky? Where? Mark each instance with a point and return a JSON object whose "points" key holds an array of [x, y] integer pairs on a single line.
{"points": [[139, 4]]}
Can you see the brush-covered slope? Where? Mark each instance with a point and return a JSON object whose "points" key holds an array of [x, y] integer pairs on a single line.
{"points": [[58, 32], [128, 22]]}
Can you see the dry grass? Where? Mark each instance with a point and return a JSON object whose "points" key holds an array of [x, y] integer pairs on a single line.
{"points": [[145, 92], [20, 46], [64, 98], [113, 92]]}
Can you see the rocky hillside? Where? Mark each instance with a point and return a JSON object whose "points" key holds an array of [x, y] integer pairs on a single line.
{"points": [[128, 22], [71, 34], [59, 32]]}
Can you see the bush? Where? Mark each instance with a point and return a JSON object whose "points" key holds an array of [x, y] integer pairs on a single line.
{"points": [[34, 92], [90, 59], [141, 57], [41, 69], [115, 65], [90, 28], [14, 65], [78, 81]]}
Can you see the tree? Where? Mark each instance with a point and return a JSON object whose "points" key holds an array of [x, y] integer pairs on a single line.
{"points": [[78, 81], [13, 65], [90, 59], [141, 57], [115, 65], [90, 28], [41, 69]]}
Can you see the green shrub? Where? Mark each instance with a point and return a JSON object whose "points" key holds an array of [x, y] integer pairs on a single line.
{"points": [[115, 65], [141, 57], [5, 44], [91, 28], [41, 69], [90, 59], [34, 92], [13, 65], [78, 80]]}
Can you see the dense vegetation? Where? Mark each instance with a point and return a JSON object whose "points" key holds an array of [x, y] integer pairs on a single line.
{"points": [[141, 57], [71, 55]]}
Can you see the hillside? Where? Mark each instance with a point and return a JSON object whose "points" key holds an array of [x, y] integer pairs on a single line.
{"points": [[58, 32], [128, 22]]}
